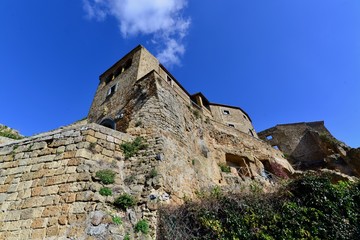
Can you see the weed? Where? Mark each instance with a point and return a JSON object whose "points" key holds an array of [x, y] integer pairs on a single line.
{"points": [[125, 201], [116, 220], [106, 176], [153, 173], [132, 148], [224, 168], [142, 226], [105, 191], [127, 236], [193, 162]]}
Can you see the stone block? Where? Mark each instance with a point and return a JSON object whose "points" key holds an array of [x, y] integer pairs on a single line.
{"points": [[38, 234], [39, 223], [63, 220], [51, 211], [100, 136], [84, 153], [52, 231]]}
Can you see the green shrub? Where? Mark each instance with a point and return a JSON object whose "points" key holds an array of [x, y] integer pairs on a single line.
{"points": [[224, 168], [125, 201], [105, 191], [106, 176], [116, 220], [311, 207], [132, 148], [142, 226]]}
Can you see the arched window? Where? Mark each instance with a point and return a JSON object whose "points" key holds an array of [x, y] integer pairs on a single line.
{"points": [[108, 123]]}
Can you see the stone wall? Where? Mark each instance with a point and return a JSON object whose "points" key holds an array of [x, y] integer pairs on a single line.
{"points": [[49, 190], [234, 116]]}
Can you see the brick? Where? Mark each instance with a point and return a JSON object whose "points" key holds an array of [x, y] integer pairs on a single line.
{"points": [[52, 231], [90, 139], [39, 223]]}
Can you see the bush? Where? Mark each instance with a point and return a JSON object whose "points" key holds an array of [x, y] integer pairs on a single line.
{"points": [[310, 207], [224, 168], [125, 201], [105, 191], [106, 176], [132, 148], [142, 226]]}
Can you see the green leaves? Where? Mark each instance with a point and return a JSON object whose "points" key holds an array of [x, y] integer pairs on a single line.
{"points": [[310, 207]]}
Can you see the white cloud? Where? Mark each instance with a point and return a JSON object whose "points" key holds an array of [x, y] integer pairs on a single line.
{"points": [[161, 19]]}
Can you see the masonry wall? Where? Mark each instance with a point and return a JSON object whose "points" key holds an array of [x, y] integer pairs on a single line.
{"points": [[48, 188], [104, 106], [235, 117]]}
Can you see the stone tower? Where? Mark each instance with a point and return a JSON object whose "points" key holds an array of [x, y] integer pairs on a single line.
{"points": [[113, 104]]}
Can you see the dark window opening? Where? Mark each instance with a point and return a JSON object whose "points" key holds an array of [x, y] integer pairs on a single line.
{"points": [[111, 90], [168, 79], [245, 117], [269, 137], [127, 64], [108, 123], [109, 78], [231, 125], [123, 67], [226, 112]]}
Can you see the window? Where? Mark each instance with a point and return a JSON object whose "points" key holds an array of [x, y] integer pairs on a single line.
{"points": [[245, 117], [276, 147], [269, 137], [168, 79], [231, 125], [226, 112], [111, 91]]}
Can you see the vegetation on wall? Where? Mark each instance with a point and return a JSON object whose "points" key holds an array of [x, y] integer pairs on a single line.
{"points": [[132, 148], [106, 176], [310, 207], [125, 201], [9, 133]]}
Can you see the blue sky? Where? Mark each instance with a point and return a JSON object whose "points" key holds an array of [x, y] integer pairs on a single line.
{"points": [[281, 61]]}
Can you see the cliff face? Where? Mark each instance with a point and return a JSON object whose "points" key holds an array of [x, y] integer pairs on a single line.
{"points": [[310, 146]]}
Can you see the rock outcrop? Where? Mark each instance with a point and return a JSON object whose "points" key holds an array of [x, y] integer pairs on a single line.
{"points": [[310, 146]]}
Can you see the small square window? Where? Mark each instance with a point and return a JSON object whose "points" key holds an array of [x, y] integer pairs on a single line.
{"points": [[245, 117], [269, 137], [226, 112], [231, 125]]}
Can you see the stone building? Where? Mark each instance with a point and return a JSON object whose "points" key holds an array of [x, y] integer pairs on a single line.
{"points": [[48, 183], [111, 106]]}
